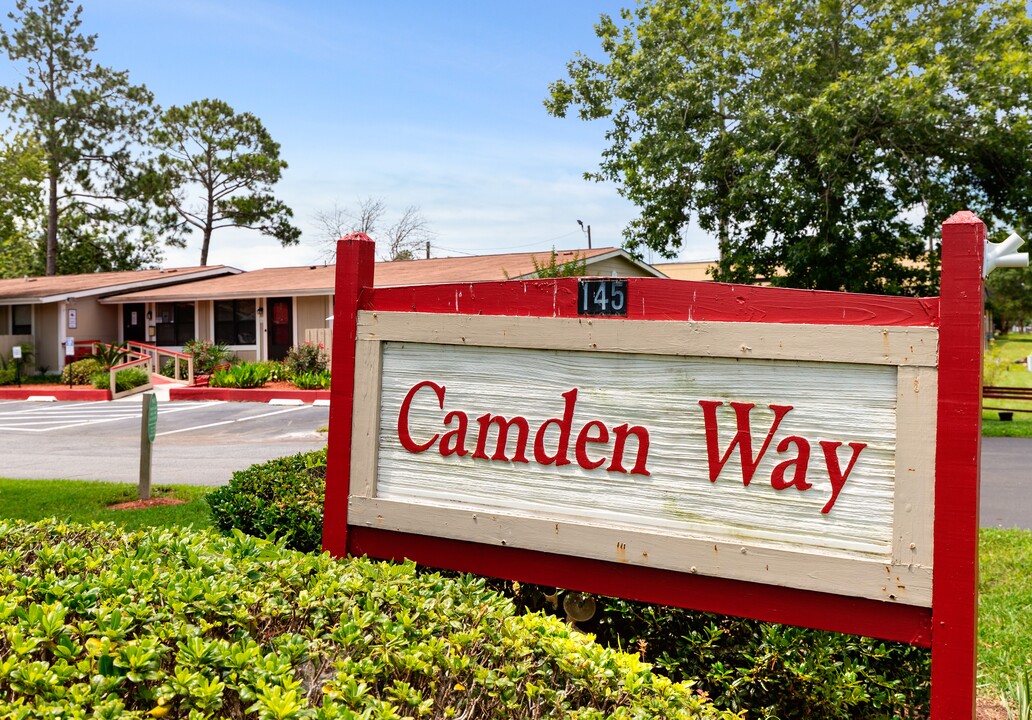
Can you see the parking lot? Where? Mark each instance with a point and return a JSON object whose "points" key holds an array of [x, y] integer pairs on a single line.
{"points": [[196, 442]]}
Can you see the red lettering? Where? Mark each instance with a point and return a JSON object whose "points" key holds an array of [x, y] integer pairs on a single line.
{"points": [[585, 437], [403, 417], [503, 437], [642, 435], [838, 478], [800, 462], [742, 439], [454, 441], [565, 427]]}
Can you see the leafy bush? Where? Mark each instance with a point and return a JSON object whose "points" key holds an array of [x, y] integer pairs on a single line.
{"points": [[81, 372], [305, 358], [277, 371], [110, 355], [283, 497], [124, 379], [168, 369], [8, 374], [206, 355], [769, 669], [244, 375], [312, 380], [96, 622]]}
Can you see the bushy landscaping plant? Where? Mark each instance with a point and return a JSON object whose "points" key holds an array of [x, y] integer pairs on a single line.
{"points": [[9, 370], [312, 380], [110, 355], [81, 372], [244, 375], [124, 379], [306, 358], [206, 355], [277, 370], [765, 668], [100, 623], [283, 497]]}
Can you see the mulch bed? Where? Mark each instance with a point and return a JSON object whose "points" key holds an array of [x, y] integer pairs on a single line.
{"points": [[144, 504]]}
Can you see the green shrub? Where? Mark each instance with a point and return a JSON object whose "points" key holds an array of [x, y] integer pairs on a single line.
{"points": [[8, 374], [81, 372], [124, 379], [277, 371], [312, 380], [305, 358], [110, 355], [206, 355], [283, 497], [168, 369], [769, 669], [244, 375], [100, 623]]}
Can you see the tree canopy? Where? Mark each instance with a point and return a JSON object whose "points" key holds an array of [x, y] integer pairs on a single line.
{"points": [[215, 169], [822, 143], [22, 169], [87, 120]]}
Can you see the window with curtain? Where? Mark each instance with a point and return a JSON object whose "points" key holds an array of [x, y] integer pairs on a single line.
{"points": [[235, 322]]}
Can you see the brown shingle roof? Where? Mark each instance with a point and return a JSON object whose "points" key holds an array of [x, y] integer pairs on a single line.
{"points": [[319, 279], [59, 287]]}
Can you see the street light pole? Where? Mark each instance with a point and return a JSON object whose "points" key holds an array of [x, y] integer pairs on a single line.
{"points": [[583, 226]]}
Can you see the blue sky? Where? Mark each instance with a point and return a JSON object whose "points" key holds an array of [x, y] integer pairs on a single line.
{"points": [[435, 104]]}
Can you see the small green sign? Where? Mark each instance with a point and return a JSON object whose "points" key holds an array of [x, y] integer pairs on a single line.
{"points": [[152, 418]]}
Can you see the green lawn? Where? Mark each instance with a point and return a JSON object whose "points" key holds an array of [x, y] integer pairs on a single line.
{"points": [[87, 502], [1008, 349], [1005, 599]]}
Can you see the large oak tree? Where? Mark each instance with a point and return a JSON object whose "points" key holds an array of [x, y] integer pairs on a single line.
{"points": [[821, 141]]}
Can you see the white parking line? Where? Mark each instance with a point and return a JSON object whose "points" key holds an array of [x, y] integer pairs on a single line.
{"points": [[45, 419], [230, 422]]}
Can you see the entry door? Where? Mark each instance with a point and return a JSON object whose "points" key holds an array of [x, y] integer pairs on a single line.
{"points": [[281, 327], [133, 325]]}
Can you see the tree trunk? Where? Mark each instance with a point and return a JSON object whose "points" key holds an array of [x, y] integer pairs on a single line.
{"points": [[204, 246], [52, 225], [208, 223]]}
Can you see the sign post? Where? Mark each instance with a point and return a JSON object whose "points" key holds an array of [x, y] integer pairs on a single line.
{"points": [[69, 354], [802, 457], [16, 355], [148, 429]]}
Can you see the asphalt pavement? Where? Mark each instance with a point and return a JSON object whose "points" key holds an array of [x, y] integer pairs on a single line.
{"points": [[1006, 497], [199, 443], [203, 443]]}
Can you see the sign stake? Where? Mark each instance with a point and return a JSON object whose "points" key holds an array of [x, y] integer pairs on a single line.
{"points": [[148, 427]]}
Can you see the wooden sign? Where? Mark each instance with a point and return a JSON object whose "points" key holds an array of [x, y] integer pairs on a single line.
{"points": [[794, 456]]}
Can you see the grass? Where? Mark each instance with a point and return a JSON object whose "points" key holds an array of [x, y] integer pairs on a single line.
{"points": [[1009, 349], [87, 502], [1005, 596]]}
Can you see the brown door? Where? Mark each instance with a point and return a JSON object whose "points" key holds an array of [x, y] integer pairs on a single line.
{"points": [[281, 327]]}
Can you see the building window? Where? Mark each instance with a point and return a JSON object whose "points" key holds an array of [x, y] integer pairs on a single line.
{"points": [[235, 322], [21, 319], [174, 323]]}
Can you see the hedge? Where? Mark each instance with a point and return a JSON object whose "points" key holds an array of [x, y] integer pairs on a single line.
{"points": [[98, 622]]}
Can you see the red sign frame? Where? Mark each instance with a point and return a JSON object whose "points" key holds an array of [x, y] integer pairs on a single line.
{"points": [[948, 627]]}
